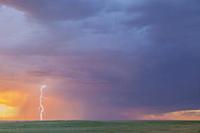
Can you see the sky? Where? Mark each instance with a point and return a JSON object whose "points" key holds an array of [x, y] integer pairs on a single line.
{"points": [[100, 59]]}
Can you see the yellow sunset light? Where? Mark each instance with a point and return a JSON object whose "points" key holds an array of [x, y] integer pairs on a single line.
{"points": [[7, 111], [10, 104]]}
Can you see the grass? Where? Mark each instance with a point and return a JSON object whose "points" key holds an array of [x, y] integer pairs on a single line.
{"points": [[101, 127]]}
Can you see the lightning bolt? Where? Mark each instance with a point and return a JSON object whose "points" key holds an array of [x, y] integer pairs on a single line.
{"points": [[41, 101]]}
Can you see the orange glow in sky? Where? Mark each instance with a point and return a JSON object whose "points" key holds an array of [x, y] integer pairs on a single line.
{"points": [[176, 115], [23, 104], [10, 103]]}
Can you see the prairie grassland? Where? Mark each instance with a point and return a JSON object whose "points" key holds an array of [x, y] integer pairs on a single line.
{"points": [[101, 127]]}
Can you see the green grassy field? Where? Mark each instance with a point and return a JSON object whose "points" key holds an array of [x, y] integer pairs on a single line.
{"points": [[101, 127]]}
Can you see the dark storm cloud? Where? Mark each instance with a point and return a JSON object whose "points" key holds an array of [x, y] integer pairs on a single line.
{"points": [[53, 10], [167, 76]]}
